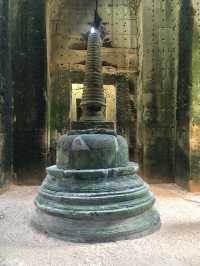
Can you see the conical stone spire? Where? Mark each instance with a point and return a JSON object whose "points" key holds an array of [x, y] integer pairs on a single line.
{"points": [[93, 193], [93, 99]]}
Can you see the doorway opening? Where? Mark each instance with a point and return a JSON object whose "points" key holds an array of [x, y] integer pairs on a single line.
{"points": [[110, 94]]}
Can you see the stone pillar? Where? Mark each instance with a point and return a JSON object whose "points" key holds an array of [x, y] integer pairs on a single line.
{"points": [[59, 95], [123, 106], [5, 99], [58, 76], [29, 79], [157, 85], [188, 101]]}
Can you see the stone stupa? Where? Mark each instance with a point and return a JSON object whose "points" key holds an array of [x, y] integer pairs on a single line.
{"points": [[93, 193]]}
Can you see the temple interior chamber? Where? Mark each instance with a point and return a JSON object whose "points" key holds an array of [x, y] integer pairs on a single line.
{"points": [[111, 162], [149, 55]]}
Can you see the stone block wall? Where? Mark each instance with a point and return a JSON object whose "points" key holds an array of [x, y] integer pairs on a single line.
{"points": [[5, 99], [68, 25], [151, 56], [157, 86], [28, 57], [195, 97], [188, 98]]}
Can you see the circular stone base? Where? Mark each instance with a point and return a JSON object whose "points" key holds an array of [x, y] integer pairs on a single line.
{"points": [[95, 205], [74, 230]]}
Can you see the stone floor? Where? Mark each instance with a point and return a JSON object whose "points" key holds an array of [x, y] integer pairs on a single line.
{"points": [[176, 244]]}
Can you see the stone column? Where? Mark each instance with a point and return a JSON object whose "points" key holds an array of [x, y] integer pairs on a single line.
{"points": [[5, 99], [157, 85], [188, 101], [123, 106], [29, 78], [59, 82]]}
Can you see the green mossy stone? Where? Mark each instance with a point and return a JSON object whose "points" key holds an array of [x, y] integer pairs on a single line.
{"points": [[94, 194], [92, 151]]}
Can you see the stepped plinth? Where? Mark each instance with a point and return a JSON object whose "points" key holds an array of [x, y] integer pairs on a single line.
{"points": [[94, 193]]}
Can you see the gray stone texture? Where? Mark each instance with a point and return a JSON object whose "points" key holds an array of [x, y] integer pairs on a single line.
{"points": [[187, 141], [68, 24], [28, 56], [176, 244], [5, 98], [93, 193], [157, 86], [153, 62]]}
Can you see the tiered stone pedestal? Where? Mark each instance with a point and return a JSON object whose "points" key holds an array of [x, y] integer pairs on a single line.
{"points": [[93, 193]]}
